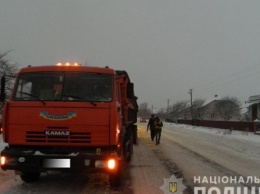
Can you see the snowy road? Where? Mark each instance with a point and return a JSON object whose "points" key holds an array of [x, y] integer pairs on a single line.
{"points": [[213, 153], [185, 152]]}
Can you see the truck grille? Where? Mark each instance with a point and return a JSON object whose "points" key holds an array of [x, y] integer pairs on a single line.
{"points": [[74, 137]]}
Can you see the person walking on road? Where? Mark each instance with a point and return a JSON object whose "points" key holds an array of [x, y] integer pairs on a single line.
{"points": [[158, 124], [150, 126]]}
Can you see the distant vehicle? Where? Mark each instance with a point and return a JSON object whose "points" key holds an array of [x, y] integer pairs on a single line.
{"points": [[144, 120]]}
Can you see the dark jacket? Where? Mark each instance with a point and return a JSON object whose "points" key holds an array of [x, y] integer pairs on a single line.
{"points": [[151, 123]]}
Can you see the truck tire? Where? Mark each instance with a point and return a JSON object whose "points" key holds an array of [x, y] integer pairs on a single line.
{"points": [[129, 151], [135, 134], [30, 176], [128, 158]]}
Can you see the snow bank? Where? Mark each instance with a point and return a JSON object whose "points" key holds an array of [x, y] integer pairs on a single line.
{"points": [[247, 136]]}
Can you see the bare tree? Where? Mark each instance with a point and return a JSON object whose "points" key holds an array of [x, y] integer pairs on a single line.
{"points": [[178, 109], [144, 111], [229, 107], [162, 113], [8, 70], [198, 109]]}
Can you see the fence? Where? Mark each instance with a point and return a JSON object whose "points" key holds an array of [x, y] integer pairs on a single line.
{"points": [[232, 125]]}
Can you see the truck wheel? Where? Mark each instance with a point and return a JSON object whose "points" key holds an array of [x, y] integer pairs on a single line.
{"points": [[128, 157], [135, 134], [130, 150], [30, 176]]}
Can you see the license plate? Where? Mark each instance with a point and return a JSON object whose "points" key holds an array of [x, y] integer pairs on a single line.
{"points": [[56, 163]]}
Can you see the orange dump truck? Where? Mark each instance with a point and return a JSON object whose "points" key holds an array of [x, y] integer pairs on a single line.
{"points": [[69, 118]]}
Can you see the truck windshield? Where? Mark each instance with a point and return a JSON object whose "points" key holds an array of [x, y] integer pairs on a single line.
{"points": [[93, 87]]}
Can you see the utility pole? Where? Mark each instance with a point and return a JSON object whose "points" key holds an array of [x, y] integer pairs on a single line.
{"points": [[153, 108], [191, 113], [168, 101]]}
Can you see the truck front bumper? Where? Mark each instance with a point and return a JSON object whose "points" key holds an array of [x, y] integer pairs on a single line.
{"points": [[80, 162]]}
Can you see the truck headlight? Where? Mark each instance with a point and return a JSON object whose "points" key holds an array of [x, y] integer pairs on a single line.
{"points": [[111, 164], [3, 160]]}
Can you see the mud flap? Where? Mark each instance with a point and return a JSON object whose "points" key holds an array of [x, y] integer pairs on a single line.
{"points": [[134, 130], [115, 179], [128, 143]]}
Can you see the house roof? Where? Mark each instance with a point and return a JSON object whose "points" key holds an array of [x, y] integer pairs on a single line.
{"points": [[255, 98]]}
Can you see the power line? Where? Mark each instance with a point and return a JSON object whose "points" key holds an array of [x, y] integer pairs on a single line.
{"points": [[247, 74]]}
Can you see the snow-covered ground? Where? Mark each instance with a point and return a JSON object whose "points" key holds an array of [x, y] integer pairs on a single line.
{"points": [[211, 152], [247, 143], [247, 136], [185, 152]]}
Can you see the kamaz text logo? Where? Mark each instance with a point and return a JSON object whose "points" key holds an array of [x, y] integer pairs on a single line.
{"points": [[57, 133]]}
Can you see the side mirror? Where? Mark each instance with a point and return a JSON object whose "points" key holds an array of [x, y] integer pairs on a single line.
{"points": [[130, 90], [2, 94]]}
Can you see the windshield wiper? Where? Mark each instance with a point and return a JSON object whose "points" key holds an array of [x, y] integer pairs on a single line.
{"points": [[80, 98], [34, 96]]}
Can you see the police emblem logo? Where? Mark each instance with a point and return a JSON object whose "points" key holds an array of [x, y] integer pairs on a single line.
{"points": [[173, 187]]}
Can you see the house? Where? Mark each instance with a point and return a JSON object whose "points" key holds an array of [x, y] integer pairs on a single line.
{"points": [[254, 107], [213, 110], [222, 110]]}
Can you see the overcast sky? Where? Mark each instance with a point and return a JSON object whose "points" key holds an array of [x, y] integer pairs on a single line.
{"points": [[166, 46]]}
